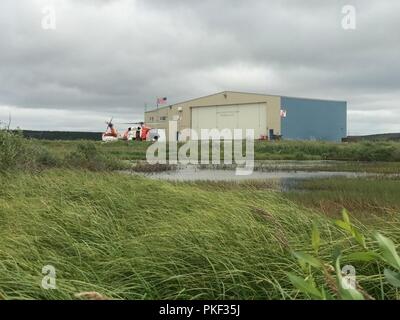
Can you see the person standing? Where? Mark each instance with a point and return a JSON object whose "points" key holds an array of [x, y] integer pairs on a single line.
{"points": [[145, 131], [137, 136], [126, 134]]}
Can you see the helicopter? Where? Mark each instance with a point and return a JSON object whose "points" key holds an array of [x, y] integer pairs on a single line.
{"points": [[145, 133]]}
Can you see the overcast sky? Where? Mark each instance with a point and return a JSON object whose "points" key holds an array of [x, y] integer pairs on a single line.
{"points": [[109, 57]]}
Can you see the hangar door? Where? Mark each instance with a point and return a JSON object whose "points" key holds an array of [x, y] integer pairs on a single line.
{"points": [[243, 116]]}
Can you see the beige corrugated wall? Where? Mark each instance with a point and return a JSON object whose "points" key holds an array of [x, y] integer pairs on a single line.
{"points": [[183, 110]]}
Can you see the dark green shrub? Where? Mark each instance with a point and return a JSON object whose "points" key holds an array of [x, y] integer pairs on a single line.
{"points": [[16, 152], [87, 156], [45, 158]]}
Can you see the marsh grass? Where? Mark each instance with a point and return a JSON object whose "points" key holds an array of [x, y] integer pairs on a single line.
{"points": [[387, 151], [364, 197], [129, 237], [88, 156], [116, 236], [18, 153]]}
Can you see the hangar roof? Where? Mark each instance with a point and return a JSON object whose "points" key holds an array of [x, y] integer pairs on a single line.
{"points": [[241, 92]]}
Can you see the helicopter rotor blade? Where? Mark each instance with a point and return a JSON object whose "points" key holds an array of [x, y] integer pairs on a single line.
{"points": [[109, 122], [128, 122]]}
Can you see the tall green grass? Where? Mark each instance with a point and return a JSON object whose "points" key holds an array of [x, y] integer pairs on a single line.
{"points": [[388, 151], [17, 153], [87, 156], [134, 238], [365, 197], [20, 153]]}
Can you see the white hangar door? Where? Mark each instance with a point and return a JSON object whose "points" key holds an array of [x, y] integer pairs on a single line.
{"points": [[243, 116]]}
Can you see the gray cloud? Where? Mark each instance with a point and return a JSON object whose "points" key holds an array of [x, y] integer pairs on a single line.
{"points": [[111, 57]]}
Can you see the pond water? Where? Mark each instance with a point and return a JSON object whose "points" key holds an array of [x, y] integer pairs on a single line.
{"points": [[190, 173]]}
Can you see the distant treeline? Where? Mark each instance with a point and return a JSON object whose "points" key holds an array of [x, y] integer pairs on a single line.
{"points": [[372, 137], [61, 135]]}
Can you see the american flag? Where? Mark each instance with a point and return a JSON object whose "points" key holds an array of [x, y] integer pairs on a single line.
{"points": [[161, 100]]}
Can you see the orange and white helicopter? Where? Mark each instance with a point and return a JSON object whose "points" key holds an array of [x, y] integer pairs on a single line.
{"points": [[140, 132]]}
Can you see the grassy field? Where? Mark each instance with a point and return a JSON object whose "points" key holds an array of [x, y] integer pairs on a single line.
{"points": [[364, 197], [374, 157], [129, 237], [280, 150], [133, 238]]}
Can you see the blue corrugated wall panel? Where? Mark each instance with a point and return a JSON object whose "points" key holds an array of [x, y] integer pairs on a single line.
{"points": [[308, 119]]}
